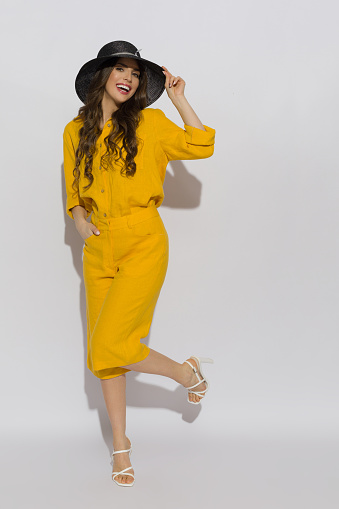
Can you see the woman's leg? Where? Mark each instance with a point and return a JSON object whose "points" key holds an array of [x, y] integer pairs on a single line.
{"points": [[158, 364], [114, 391]]}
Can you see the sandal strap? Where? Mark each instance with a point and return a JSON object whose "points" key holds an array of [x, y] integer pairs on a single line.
{"points": [[194, 369], [118, 473], [200, 396], [198, 393], [201, 380], [125, 450], [123, 472], [198, 383]]}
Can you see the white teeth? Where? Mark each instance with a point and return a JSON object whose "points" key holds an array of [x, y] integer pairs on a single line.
{"points": [[123, 87]]}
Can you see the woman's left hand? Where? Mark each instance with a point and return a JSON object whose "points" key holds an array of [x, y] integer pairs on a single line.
{"points": [[174, 85]]}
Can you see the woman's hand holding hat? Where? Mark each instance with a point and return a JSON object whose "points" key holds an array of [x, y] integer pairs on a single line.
{"points": [[174, 85]]}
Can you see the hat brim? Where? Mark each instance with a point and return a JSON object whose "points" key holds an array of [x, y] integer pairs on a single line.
{"points": [[155, 77]]}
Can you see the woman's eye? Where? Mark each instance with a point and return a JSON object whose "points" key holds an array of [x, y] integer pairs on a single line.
{"points": [[121, 69]]}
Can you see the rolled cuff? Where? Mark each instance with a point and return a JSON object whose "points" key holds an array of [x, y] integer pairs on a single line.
{"points": [[196, 136], [73, 202]]}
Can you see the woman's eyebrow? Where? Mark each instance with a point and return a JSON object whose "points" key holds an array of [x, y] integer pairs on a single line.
{"points": [[124, 65]]}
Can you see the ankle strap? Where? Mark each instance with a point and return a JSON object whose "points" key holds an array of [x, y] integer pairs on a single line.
{"points": [[194, 369], [117, 452]]}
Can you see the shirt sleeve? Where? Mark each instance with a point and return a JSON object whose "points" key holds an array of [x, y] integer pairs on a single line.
{"points": [[73, 198], [178, 143]]}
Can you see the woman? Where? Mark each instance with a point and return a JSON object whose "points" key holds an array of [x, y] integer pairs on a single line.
{"points": [[115, 156]]}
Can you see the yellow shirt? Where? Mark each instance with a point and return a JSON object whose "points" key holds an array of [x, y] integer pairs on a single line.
{"points": [[113, 195]]}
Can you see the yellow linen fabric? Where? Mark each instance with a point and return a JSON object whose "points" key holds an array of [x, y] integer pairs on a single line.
{"points": [[113, 195], [124, 269], [125, 266]]}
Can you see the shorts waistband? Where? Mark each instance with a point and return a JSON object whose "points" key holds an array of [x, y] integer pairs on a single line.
{"points": [[114, 223]]}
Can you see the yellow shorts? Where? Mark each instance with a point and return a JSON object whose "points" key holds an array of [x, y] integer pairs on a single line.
{"points": [[124, 269]]}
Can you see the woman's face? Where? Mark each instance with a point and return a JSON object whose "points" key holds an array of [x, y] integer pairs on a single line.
{"points": [[123, 81]]}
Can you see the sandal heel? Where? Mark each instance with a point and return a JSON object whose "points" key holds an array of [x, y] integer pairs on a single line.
{"points": [[204, 359]]}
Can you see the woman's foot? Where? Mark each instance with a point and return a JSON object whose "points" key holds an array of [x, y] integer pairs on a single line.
{"points": [[191, 379], [121, 461]]}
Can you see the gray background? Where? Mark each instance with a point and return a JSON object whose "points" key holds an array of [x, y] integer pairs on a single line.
{"points": [[252, 280]]}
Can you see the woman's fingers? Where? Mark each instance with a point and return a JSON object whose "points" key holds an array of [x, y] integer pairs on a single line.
{"points": [[174, 85], [85, 234], [170, 79], [168, 76]]}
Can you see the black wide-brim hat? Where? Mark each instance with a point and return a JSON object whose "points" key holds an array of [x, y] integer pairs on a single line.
{"points": [[155, 76]]}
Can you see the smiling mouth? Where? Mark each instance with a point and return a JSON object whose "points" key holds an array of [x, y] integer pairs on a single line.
{"points": [[123, 89]]}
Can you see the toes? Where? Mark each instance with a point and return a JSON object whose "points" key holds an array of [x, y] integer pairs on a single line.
{"points": [[124, 479], [195, 398]]}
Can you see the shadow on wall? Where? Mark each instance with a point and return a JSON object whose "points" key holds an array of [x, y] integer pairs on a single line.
{"points": [[182, 190]]}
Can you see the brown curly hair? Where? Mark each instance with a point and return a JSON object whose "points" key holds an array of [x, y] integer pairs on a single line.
{"points": [[125, 121]]}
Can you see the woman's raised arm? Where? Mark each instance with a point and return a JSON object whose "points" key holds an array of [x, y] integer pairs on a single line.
{"points": [[175, 90]]}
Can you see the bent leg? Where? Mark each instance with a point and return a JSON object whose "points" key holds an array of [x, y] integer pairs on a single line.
{"points": [[159, 364]]}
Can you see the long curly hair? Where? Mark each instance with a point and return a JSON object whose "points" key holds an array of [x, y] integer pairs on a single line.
{"points": [[125, 121]]}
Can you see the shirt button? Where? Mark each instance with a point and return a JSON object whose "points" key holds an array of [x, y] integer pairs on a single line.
{"points": [[100, 144], [99, 167], [105, 214], [108, 125], [102, 190]]}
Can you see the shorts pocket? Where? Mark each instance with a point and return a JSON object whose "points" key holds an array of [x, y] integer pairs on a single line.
{"points": [[151, 226], [89, 238]]}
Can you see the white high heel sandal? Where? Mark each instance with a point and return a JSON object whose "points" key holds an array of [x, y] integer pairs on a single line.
{"points": [[201, 394], [124, 471]]}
